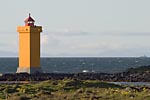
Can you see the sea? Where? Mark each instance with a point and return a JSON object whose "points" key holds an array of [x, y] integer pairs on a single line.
{"points": [[79, 64]]}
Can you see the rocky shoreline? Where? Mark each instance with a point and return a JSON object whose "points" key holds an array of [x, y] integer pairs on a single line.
{"points": [[114, 77], [140, 74]]}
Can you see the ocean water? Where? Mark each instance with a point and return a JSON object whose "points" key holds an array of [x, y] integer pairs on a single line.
{"points": [[77, 65]]}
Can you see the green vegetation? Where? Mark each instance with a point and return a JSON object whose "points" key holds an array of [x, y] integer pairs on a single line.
{"points": [[72, 90], [140, 69]]}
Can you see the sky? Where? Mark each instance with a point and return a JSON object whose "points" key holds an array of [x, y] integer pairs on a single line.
{"points": [[79, 28]]}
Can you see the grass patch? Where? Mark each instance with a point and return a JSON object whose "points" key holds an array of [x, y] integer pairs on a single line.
{"points": [[72, 90]]}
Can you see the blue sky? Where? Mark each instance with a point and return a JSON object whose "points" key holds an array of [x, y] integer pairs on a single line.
{"points": [[101, 28]]}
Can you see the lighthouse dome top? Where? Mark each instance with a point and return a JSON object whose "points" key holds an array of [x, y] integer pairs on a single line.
{"points": [[29, 21], [29, 18]]}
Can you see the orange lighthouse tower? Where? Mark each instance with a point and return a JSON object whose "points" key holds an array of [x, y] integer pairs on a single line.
{"points": [[29, 47]]}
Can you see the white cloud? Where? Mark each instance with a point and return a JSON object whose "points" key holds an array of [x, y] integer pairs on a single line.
{"points": [[95, 45], [44, 39], [85, 44]]}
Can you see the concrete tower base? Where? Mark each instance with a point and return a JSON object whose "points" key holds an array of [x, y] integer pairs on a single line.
{"points": [[30, 70]]}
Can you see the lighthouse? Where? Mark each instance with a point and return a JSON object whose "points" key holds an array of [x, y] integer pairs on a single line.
{"points": [[29, 47]]}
